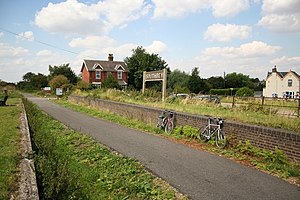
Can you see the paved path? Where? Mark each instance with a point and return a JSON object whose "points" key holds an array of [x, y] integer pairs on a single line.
{"points": [[198, 174]]}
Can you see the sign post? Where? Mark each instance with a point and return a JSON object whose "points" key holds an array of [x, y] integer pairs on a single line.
{"points": [[160, 75]]}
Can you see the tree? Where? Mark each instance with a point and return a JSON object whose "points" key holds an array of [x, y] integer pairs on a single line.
{"points": [[58, 82], [32, 81], [244, 92], [65, 70], [110, 82], [234, 80], [141, 61], [178, 81], [195, 82], [216, 82]]}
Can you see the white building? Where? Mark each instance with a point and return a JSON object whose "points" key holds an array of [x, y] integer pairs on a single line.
{"points": [[282, 84]]}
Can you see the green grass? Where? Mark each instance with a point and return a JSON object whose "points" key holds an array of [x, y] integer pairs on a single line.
{"points": [[245, 114], [73, 166], [9, 146], [274, 162]]}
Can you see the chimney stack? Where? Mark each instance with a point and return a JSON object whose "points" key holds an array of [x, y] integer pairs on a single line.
{"points": [[110, 57], [274, 69]]}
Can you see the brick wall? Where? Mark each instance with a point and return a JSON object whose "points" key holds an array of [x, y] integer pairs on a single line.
{"points": [[263, 137]]}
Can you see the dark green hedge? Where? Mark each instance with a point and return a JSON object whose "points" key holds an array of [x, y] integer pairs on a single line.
{"points": [[226, 92], [70, 165]]}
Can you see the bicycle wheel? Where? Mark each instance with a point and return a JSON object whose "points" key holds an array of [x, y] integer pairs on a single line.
{"points": [[169, 127], [203, 135], [221, 141]]}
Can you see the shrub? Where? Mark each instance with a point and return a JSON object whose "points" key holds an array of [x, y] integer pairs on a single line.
{"points": [[245, 92]]}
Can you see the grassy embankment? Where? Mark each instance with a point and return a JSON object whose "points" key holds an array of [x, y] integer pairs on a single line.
{"points": [[9, 146], [73, 166], [246, 114]]}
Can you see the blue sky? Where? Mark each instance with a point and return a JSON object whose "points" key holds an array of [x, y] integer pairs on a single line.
{"points": [[217, 36]]}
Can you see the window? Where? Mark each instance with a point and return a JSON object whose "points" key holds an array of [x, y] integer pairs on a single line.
{"points": [[290, 82], [98, 74], [119, 74]]}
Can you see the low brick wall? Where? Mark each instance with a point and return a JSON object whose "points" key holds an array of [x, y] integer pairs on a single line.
{"points": [[263, 137]]}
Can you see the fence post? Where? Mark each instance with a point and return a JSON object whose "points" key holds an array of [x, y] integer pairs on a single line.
{"points": [[298, 108], [262, 101], [233, 101]]}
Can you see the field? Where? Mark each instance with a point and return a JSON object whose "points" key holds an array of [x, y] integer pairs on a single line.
{"points": [[9, 146]]}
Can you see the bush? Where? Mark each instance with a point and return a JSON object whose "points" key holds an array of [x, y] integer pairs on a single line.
{"points": [[226, 92], [245, 92]]}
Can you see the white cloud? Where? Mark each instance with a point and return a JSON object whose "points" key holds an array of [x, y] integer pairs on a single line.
{"points": [[156, 47], [92, 42], [248, 50], [228, 8], [176, 9], [287, 63], [225, 33], [220, 8], [73, 17], [28, 35], [1, 34], [281, 16], [7, 51], [118, 12]]}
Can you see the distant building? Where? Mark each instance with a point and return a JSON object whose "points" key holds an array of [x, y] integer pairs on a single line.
{"points": [[282, 84], [96, 71]]}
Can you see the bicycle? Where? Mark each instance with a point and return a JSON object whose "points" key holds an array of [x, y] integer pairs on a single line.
{"points": [[214, 129], [165, 121]]}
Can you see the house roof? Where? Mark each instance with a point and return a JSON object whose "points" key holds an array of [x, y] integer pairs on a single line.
{"points": [[283, 74], [109, 66]]}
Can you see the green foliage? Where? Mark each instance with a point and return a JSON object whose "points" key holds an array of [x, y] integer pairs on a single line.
{"points": [[274, 161], [195, 83], [234, 80], [65, 70], [216, 82], [187, 131], [82, 85], [141, 61], [245, 92], [178, 81], [110, 82], [58, 81], [9, 147], [226, 91], [74, 166], [32, 81]]}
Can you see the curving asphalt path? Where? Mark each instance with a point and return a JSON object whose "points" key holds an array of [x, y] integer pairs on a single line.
{"points": [[198, 174]]}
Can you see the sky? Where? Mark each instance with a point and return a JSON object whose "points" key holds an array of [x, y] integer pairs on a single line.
{"points": [[217, 36]]}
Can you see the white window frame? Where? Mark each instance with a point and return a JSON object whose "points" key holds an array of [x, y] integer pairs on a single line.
{"points": [[290, 82], [98, 74], [120, 74]]}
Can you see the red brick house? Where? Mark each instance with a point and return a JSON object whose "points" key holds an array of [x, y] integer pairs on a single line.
{"points": [[96, 71]]}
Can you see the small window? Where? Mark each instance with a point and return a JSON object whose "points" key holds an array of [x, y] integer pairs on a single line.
{"points": [[98, 74], [290, 82], [119, 74]]}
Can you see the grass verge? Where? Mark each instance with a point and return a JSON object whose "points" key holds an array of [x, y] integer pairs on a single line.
{"points": [[9, 146], [73, 166], [274, 162]]}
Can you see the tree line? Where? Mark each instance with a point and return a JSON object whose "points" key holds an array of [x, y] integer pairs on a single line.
{"points": [[140, 60]]}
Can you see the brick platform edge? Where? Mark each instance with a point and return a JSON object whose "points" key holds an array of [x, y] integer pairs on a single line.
{"points": [[27, 186], [261, 136]]}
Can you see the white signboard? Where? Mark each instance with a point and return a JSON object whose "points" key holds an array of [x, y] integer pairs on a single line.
{"points": [[59, 91]]}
